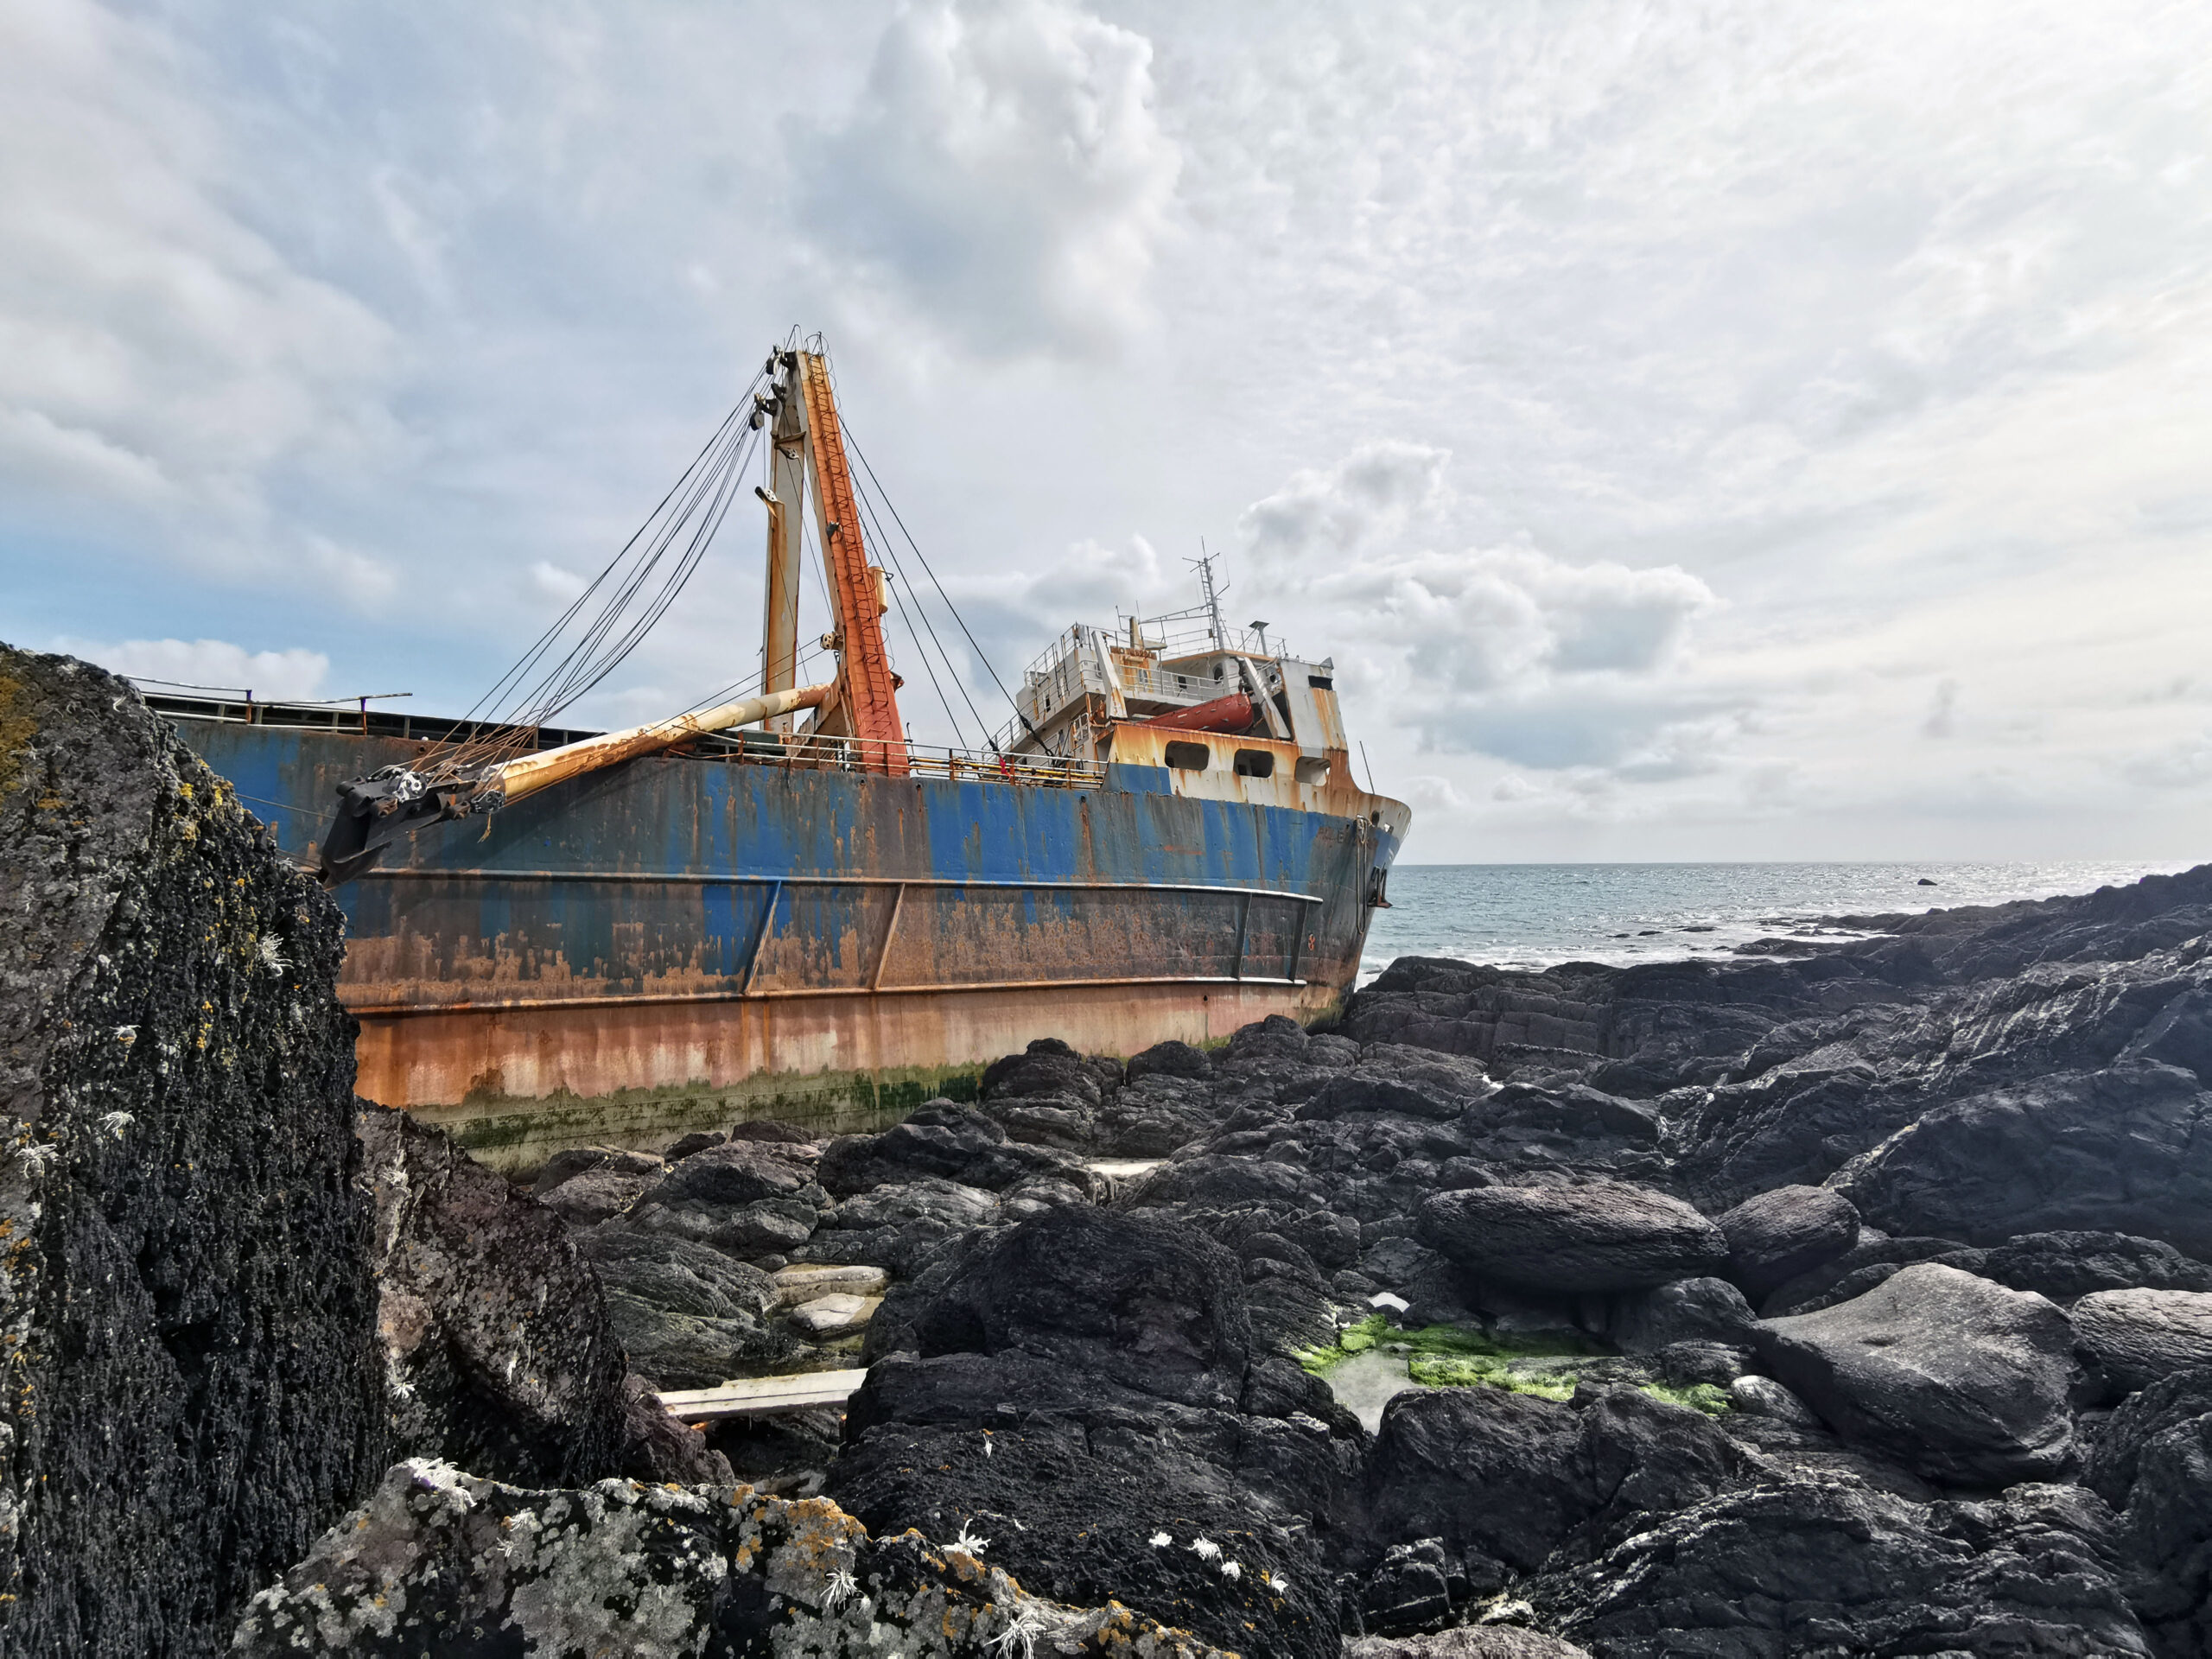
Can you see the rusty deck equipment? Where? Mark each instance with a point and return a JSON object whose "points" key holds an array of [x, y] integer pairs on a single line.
{"points": [[764, 1396], [560, 937]]}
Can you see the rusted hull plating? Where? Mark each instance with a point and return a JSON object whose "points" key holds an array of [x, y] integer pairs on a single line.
{"points": [[678, 941]]}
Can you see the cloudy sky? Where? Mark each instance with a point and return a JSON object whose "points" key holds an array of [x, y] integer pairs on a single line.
{"points": [[1776, 430]]}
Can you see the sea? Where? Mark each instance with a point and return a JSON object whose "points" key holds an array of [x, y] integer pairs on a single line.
{"points": [[1535, 915]]}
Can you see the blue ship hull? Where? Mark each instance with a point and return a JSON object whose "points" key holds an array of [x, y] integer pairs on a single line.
{"points": [[686, 939]]}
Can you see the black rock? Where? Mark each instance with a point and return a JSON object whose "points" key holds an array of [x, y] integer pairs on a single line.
{"points": [[683, 1145], [496, 1338], [1090, 1375], [1833, 1567], [1774, 1237], [2065, 1265], [1479, 1468], [2125, 1149], [2137, 1337], [1965, 1381], [688, 1315], [951, 1142], [1171, 1060], [192, 1386], [1682, 1310], [1604, 1236], [1148, 1303]]}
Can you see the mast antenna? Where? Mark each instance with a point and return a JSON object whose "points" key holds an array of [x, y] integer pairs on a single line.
{"points": [[1205, 564]]}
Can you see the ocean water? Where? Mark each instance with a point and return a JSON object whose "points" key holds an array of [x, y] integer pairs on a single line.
{"points": [[1535, 915]]}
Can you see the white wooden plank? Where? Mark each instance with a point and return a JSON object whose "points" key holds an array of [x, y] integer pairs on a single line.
{"points": [[758, 1396]]}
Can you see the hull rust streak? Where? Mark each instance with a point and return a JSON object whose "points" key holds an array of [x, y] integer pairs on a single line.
{"points": [[684, 939]]}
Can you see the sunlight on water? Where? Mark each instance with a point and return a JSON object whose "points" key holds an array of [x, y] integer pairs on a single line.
{"points": [[1535, 915]]}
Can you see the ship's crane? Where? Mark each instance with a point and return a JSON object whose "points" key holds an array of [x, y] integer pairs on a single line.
{"points": [[858, 708]]}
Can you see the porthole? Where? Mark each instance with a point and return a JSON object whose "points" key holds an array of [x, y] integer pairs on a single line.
{"points": [[1255, 763], [1188, 757]]}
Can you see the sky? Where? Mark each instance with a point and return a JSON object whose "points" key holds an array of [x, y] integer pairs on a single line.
{"points": [[1692, 431]]}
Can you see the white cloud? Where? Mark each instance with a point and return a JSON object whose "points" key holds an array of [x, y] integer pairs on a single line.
{"points": [[213, 664], [156, 352], [1369, 495], [1004, 178], [2180, 765]]}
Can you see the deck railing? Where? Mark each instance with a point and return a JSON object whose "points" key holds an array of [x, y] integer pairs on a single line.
{"points": [[816, 753]]}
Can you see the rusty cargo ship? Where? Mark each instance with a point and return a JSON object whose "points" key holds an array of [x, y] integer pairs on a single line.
{"points": [[779, 904]]}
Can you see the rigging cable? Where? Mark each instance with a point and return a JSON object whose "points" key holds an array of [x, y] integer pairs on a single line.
{"points": [[939, 586], [699, 500], [891, 551]]}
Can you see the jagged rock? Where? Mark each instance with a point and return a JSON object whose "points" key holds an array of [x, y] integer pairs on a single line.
{"points": [[438, 1560], [596, 1194], [688, 1316], [1170, 1059], [894, 1227], [1468, 1642], [1774, 1237], [2138, 1336], [743, 1197], [1831, 1567], [1149, 1303], [2154, 1459], [1682, 1310], [1406, 1082], [1516, 1477], [948, 1142], [495, 1335], [193, 1385], [1086, 1373], [2066, 1265], [2127, 1148], [1965, 1381], [1605, 1236]]}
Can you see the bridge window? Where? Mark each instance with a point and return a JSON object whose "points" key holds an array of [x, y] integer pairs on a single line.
{"points": [[1312, 772], [1188, 757], [1255, 763]]}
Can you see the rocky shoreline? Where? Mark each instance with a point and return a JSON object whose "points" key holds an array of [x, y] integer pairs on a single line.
{"points": [[1843, 1298]]}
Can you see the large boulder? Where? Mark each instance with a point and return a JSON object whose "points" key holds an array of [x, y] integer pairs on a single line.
{"points": [[687, 1315], [1082, 1391], [895, 1226], [2154, 1461], [440, 1562], [744, 1197], [1512, 1477], [1682, 1310], [495, 1335], [192, 1386], [1964, 1380], [2137, 1337], [1148, 1303], [1831, 1566], [1778, 1234], [948, 1142], [2127, 1149], [1607, 1235]]}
